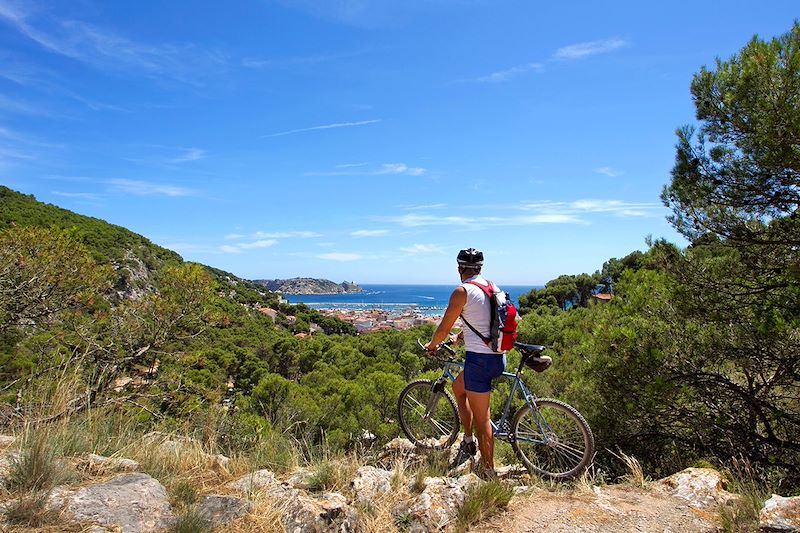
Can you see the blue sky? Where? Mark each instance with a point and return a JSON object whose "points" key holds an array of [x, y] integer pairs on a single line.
{"points": [[364, 140]]}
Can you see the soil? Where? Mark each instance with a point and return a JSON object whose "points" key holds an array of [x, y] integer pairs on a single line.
{"points": [[608, 509]]}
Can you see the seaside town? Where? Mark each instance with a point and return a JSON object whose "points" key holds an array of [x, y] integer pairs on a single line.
{"points": [[368, 320]]}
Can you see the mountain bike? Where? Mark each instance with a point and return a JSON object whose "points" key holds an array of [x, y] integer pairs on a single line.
{"points": [[550, 437]]}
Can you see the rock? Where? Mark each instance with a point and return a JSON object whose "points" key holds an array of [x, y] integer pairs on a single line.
{"points": [[133, 503], [398, 445], [780, 514], [222, 510], [438, 504], [371, 482], [261, 480], [703, 488], [300, 479], [99, 462], [328, 513]]}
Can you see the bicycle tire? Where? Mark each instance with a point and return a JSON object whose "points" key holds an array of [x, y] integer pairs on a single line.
{"points": [[562, 450], [439, 430]]}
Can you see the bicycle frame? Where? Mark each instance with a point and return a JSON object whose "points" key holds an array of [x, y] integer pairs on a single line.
{"points": [[500, 429]]}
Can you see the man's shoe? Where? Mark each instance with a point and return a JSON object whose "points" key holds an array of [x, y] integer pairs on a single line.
{"points": [[466, 451], [487, 474]]}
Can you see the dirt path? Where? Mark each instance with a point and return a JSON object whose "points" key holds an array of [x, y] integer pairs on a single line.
{"points": [[611, 509]]}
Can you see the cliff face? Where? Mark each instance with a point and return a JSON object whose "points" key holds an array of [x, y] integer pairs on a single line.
{"points": [[308, 286]]}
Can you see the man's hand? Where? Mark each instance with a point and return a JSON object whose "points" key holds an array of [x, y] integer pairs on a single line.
{"points": [[431, 348]]}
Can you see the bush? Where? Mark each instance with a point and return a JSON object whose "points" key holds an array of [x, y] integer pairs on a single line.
{"points": [[482, 501]]}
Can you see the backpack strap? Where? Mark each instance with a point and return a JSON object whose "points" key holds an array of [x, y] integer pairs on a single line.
{"points": [[489, 292]]}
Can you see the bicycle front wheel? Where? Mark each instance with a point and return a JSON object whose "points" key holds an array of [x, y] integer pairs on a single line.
{"points": [[552, 439], [427, 417]]}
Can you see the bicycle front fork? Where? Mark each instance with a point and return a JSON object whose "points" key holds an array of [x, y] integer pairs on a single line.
{"points": [[437, 389]]}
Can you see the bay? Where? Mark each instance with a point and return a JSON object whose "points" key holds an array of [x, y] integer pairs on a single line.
{"points": [[421, 299]]}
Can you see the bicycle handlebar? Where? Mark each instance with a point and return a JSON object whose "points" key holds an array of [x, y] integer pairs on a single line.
{"points": [[445, 346]]}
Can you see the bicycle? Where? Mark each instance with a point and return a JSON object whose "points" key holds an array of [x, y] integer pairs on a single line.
{"points": [[550, 437]]}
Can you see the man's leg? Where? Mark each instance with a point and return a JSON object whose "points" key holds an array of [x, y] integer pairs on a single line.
{"points": [[479, 406], [464, 411]]}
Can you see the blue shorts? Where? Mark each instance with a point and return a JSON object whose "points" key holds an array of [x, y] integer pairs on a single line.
{"points": [[480, 369]]}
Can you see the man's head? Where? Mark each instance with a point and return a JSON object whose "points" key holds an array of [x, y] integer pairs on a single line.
{"points": [[470, 262]]}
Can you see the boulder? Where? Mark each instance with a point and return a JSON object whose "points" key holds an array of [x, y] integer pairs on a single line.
{"points": [[99, 462], [300, 479], [327, 513], [438, 503], [371, 482], [132, 503], [780, 514], [222, 510], [703, 488], [258, 480]]}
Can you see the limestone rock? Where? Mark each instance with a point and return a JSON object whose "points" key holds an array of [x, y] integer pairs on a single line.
{"points": [[438, 504], [371, 482], [780, 514], [258, 480], [133, 503], [703, 488], [99, 462], [399, 445], [328, 513], [300, 479], [222, 510]]}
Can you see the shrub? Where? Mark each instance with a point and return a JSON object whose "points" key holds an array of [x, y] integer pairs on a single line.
{"points": [[482, 501]]}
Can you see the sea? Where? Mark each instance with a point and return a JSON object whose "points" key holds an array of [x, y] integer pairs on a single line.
{"points": [[428, 300]]}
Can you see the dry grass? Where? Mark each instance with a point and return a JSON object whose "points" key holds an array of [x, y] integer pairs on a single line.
{"points": [[741, 515], [266, 517], [482, 501], [635, 474]]}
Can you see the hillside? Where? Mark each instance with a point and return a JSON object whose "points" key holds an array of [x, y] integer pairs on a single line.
{"points": [[308, 286], [136, 261]]}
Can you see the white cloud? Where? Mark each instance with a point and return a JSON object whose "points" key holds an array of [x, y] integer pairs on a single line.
{"points": [[324, 127], [608, 171], [423, 249], [104, 49], [233, 237], [286, 235], [547, 218], [258, 244], [544, 212], [230, 249], [79, 195], [393, 169], [369, 233], [340, 256], [423, 207], [190, 154], [580, 50], [142, 188], [508, 74], [400, 168], [415, 220]]}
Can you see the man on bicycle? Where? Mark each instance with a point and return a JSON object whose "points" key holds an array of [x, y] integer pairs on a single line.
{"points": [[472, 387]]}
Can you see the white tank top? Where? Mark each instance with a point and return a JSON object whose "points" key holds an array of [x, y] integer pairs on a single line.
{"points": [[477, 312]]}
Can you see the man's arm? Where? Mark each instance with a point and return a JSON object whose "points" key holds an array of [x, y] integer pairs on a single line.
{"points": [[454, 308]]}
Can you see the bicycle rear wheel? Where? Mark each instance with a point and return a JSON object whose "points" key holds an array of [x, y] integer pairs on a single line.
{"points": [[552, 439], [428, 418]]}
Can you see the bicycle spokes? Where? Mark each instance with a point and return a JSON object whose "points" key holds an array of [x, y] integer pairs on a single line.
{"points": [[552, 439]]}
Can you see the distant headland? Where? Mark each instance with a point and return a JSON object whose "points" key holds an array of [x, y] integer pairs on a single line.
{"points": [[309, 286]]}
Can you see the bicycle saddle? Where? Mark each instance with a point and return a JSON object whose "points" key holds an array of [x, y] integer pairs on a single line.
{"points": [[529, 349]]}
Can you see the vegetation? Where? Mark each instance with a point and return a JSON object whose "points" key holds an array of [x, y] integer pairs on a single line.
{"points": [[105, 337], [482, 501]]}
